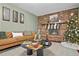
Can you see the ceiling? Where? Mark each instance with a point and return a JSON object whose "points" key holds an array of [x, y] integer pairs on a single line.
{"points": [[45, 8]]}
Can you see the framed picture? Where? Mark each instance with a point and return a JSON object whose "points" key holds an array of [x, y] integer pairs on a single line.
{"points": [[21, 18], [5, 13], [54, 18], [15, 16]]}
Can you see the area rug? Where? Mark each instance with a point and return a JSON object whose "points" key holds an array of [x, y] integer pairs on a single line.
{"points": [[55, 50], [46, 52], [19, 51]]}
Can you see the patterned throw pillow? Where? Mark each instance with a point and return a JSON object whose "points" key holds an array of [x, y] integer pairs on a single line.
{"points": [[3, 35], [9, 34]]}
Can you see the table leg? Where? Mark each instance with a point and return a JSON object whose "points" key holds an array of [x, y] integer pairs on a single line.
{"points": [[29, 52], [78, 51], [40, 52]]}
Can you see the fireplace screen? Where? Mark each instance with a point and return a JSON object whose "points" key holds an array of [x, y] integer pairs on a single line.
{"points": [[53, 28]]}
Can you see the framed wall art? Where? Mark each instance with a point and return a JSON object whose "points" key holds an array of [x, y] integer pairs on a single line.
{"points": [[5, 13], [21, 18], [54, 18], [15, 16]]}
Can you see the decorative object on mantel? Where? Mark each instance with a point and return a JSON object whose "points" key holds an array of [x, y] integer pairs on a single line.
{"points": [[72, 33], [5, 13], [21, 18], [15, 16]]}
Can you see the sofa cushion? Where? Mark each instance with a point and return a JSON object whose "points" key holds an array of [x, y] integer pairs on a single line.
{"points": [[7, 41], [15, 34], [11, 40], [3, 35], [20, 38], [10, 45], [27, 33]]}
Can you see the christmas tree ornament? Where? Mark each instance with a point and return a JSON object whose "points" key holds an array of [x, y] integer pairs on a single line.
{"points": [[76, 21]]}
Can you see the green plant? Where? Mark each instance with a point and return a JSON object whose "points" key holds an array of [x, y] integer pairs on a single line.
{"points": [[42, 42]]}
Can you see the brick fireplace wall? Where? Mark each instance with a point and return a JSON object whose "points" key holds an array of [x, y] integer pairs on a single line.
{"points": [[63, 16]]}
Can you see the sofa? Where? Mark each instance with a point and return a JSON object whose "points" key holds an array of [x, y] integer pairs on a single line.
{"points": [[13, 41]]}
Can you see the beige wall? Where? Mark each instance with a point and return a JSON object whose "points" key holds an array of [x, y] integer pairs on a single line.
{"points": [[30, 20]]}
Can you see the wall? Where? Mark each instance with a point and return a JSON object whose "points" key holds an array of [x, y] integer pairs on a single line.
{"points": [[63, 16], [30, 20]]}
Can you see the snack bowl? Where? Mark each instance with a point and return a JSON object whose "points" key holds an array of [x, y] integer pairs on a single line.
{"points": [[35, 45]]}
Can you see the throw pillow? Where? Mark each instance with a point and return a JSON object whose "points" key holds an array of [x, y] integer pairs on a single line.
{"points": [[15, 34], [9, 34], [3, 35]]}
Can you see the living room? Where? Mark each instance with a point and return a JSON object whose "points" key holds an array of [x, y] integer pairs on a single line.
{"points": [[39, 29]]}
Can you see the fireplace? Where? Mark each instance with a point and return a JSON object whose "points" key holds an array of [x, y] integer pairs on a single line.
{"points": [[54, 24], [54, 28]]}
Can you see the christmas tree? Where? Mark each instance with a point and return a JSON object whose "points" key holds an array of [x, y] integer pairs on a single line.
{"points": [[72, 33]]}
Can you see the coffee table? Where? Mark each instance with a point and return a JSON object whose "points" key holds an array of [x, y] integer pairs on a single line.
{"points": [[39, 51], [30, 50]]}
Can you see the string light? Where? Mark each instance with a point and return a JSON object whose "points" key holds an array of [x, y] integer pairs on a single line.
{"points": [[72, 14]]}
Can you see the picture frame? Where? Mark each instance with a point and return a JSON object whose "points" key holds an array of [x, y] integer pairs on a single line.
{"points": [[5, 13], [15, 16], [21, 18], [54, 18]]}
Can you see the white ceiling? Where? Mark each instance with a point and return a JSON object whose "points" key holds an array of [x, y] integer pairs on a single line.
{"points": [[45, 8]]}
